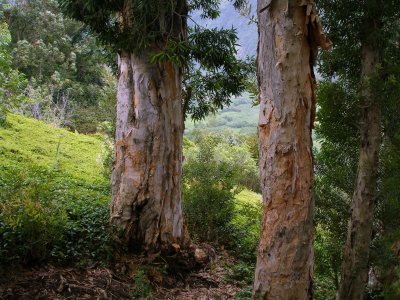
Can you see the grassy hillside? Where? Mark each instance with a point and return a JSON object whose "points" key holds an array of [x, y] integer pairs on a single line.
{"points": [[247, 196], [28, 141], [240, 117], [54, 197]]}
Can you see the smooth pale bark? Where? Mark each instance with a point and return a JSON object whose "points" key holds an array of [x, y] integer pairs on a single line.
{"points": [[146, 180], [357, 249], [289, 35]]}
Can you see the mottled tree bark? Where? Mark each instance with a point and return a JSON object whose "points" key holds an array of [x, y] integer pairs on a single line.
{"points": [[146, 180], [289, 34], [357, 249]]}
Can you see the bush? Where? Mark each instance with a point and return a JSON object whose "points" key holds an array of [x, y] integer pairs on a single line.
{"points": [[141, 287], [30, 222], [29, 230], [239, 151], [209, 193], [46, 215], [246, 225], [238, 155], [213, 171], [244, 294], [241, 273]]}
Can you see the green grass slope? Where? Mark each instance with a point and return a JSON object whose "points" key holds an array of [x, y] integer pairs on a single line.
{"points": [[54, 195], [240, 117], [248, 197], [28, 141]]}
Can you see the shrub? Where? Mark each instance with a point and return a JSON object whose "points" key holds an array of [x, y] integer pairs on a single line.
{"points": [[245, 234], [239, 157], [141, 287], [241, 273], [46, 215], [244, 294], [30, 222], [209, 193], [29, 230], [213, 174], [239, 151]]}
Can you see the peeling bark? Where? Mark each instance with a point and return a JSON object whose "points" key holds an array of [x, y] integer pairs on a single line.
{"points": [[146, 180], [289, 35], [357, 249]]}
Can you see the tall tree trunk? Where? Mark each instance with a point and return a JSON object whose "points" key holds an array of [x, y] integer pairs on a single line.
{"points": [[289, 34], [356, 253], [146, 180]]}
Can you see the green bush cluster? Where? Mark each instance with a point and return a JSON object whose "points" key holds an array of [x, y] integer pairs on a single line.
{"points": [[217, 206], [47, 215], [241, 273], [209, 193], [246, 226], [141, 287], [244, 294]]}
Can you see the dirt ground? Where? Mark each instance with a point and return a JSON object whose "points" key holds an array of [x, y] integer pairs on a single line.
{"points": [[180, 280]]}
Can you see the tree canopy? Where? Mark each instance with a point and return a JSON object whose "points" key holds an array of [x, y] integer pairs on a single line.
{"points": [[212, 72]]}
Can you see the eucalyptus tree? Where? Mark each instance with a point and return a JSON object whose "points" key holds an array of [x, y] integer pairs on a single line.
{"points": [[156, 49], [365, 35], [290, 33]]}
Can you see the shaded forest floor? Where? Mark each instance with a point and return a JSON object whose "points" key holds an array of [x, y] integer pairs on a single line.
{"points": [[124, 279]]}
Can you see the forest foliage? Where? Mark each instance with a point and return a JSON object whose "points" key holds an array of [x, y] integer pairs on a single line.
{"points": [[55, 190], [69, 80], [60, 182], [338, 131]]}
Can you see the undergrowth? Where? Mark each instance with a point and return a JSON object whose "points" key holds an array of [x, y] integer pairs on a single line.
{"points": [[46, 215], [53, 196]]}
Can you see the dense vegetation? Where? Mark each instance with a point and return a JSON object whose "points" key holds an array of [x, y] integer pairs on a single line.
{"points": [[68, 82], [58, 87], [53, 195], [341, 131], [59, 182]]}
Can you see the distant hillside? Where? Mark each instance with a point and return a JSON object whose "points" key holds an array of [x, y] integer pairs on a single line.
{"points": [[240, 117]]}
